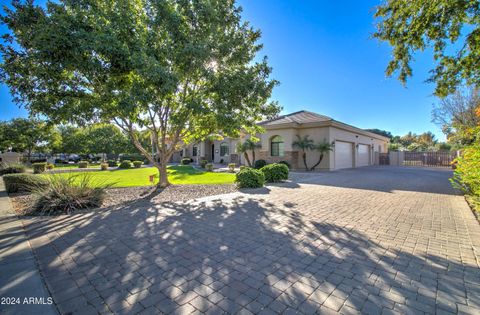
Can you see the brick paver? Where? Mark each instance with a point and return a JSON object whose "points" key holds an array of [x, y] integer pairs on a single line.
{"points": [[372, 240]]}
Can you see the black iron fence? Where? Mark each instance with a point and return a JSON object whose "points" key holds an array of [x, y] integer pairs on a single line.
{"points": [[436, 159]]}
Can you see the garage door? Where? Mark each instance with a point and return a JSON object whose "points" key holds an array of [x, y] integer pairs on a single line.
{"points": [[363, 155], [343, 154]]}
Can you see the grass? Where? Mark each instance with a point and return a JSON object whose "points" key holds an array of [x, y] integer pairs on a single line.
{"points": [[182, 174]]}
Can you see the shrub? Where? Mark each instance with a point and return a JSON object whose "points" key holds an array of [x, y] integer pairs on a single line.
{"points": [[186, 161], [104, 166], [83, 164], [24, 182], [259, 164], [209, 167], [250, 178], [50, 166], [112, 163], [275, 172], [285, 163], [243, 167], [64, 195], [125, 164], [467, 171], [39, 167], [131, 157], [203, 163], [231, 167], [137, 164], [14, 168]]}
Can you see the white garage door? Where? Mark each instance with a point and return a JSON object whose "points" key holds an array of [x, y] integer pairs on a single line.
{"points": [[363, 155], [343, 154]]}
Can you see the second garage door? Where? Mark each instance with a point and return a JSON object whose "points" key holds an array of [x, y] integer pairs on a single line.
{"points": [[363, 155], [343, 154]]}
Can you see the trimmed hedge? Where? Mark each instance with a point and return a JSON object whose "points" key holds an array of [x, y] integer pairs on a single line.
{"points": [[275, 172], [137, 164], [132, 157], [231, 167], [104, 166], [39, 167], [259, 164], [50, 166], [285, 163], [209, 167], [467, 171], [14, 168], [185, 161], [250, 178], [83, 164], [203, 163], [24, 182], [125, 164], [112, 163]]}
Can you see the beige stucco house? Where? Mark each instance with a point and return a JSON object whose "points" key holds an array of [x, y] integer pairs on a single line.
{"points": [[352, 146]]}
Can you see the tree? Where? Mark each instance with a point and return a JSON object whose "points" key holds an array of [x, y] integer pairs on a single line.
{"points": [[457, 116], [304, 143], [26, 135], [179, 69], [245, 147], [451, 28], [105, 138], [321, 148], [380, 132]]}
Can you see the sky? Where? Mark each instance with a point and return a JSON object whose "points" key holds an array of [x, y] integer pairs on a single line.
{"points": [[326, 60]]}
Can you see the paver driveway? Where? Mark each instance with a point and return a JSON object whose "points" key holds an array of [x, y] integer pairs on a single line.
{"points": [[371, 240]]}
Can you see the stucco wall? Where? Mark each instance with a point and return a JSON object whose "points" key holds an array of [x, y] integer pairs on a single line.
{"points": [[337, 134], [318, 135]]}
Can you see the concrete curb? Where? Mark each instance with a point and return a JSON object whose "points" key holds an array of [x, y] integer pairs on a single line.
{"points": [[22, 289]]}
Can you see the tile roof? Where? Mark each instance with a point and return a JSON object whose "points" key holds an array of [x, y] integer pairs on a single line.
{"points": [[300, 117]]}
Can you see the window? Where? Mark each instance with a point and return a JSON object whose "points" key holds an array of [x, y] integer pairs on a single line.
{"points": [[276, 146], [194, 150], [224, 149]]}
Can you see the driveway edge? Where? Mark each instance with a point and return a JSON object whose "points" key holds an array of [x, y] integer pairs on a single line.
{"points": [[22, 287]]}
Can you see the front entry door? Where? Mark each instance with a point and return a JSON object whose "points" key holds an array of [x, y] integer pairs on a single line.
{"points": [[213, 152]]}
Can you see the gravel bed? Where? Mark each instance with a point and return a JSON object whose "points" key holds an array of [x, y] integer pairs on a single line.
{"points": [[118, 196]]}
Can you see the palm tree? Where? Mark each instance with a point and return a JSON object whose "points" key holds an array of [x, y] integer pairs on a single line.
{"points": [[304, 144], [322, 148], [248, 145]]}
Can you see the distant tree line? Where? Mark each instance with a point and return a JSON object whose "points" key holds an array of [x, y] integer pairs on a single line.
{"points": [[29, 135]]}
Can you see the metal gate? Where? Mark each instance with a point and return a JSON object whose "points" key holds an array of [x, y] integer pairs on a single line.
{"points": [[435, 159]]}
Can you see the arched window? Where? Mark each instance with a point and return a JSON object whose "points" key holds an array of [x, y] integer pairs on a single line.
{"points": [[276, 146], [224, 149]]}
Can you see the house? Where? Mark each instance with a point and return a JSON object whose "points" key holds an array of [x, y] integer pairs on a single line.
{"points": [[351, 146]]}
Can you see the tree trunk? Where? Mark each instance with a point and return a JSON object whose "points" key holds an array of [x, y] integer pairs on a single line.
{"points": [[163, 176], [304, 156], [253, 156], [245, 154], [318, 163]]}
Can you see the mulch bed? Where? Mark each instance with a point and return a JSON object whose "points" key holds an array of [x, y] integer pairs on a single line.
{"points": [[118, 196]]}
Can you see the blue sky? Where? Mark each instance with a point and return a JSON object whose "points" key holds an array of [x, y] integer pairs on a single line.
{"points": [[326, 61]]}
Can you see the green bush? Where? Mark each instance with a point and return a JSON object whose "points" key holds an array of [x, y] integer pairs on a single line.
{"points": [[231, 167], [259, 164], [24, 182], [203, 163], [104, 166], [83, 164], [64, 195], [137, 164], [14, 168], [186, 161], [112, 163], [125, 164], [209, 167], [250, 178], [39, 167], [467, 171], [132, 157], [50, 166], [243, 167], [275, 172], [285, 163]]}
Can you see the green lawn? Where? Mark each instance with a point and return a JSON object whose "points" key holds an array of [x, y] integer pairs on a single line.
{"points": [[140, 176]]}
